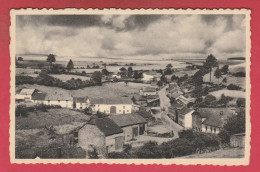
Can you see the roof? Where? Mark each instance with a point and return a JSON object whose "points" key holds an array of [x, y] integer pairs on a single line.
{"points": [[144, 114], [111, 100], [27, 91], [183, 99], [215, 117], [39, 96], [80, 99], [185, 111], [176, 95], [152, 96], [106, 126], [149, 89], [127, 119]]}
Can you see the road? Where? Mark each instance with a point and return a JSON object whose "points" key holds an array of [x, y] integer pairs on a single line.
{"points": [[165, 104]]}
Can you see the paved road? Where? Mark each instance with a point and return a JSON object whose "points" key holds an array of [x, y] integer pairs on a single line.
{"points": [[164, 104]]}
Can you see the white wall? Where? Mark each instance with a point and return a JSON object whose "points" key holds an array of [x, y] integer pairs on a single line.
{"points": [[203, 129], [188, 120], [62, 103], [120, 108], [20, 96], [147, 77]]}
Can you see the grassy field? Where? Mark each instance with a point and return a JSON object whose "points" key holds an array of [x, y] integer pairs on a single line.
{"points": [[19, 71], [107, 90], [53, 117], [64, 77], [222, 153]]}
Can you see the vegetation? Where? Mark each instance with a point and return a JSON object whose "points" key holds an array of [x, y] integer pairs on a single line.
{"points": [[241, 102], [233, 87], [211, 62], [70, 65], [51, 59]]}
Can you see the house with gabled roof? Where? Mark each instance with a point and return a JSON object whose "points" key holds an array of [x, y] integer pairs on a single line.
{"points": [[25, 94], [113, 105], [148, 90], [133, 125], [80, 102], [211, 120], [101, 134]]}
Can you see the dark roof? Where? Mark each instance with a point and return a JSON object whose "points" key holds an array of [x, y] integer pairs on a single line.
{"points": [[27, 91], [184, 111], [152, 96], [106, 126], [176, 95], [176, 105], [127, 119], [114, 100], [149, 89], [80, 99], [39, 96], [144, 114], [215, 117]]}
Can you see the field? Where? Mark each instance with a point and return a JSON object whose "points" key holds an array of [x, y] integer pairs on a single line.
{"points": [[107, 90], [53, 117], [222, 153], [64, 77], [231, 93]]}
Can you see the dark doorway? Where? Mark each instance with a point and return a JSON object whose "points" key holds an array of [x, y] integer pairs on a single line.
{"points": [[112, 109], [135, 132], [141, 129]]}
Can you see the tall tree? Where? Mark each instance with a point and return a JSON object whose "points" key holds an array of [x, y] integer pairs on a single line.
{"points": [[198, 79], [217, 74], [51, 59], [105, 72], [130, 71], [211, 62], [97, 77], [70, 65]]}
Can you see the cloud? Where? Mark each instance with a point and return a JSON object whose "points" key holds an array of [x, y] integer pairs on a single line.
{"points": [[130, 36]]}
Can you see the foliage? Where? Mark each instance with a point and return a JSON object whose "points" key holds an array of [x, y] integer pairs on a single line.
{"points": [[23, 79], [198, 78], [224, 99], [233, 87], [97, 78], [122, 69], [93, 154], [224, 69], [159, 83], [130, 71], [149, 150], [51, 58], [21, 110], [137, 75], [20, 59], [88, 111], [211, 62], [224, 136], [174, 78], [118, 155], [169, 66], [105, 72], [217, 74], [126, 82], [224, 80], [241, 102], [40, 65], [209, 99], [70, 65], [240, 74], [163, 78]]}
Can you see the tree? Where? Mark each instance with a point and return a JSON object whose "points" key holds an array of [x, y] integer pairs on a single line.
{"points": [[51, 59], [40, 65], [126, 82], [224, 80], [21, 110], [122, 69], [163, 78], [20, 59], [209, 99], [224, 69], [93, 154], [169, 66], [70, 65], [137, 75], [133, 99], [159, 84], [217, 74], [130, 71], [97, 77], [105, 72], [197, 79], [174, 78], [211, 62], [224, 100], [88, 111], [241, 102]]}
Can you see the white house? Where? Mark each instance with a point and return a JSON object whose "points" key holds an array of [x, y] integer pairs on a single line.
{"points": [[145, 91], [150, 76], [117, 105], [185, 117], [25, 94], [63, 100], [80, 102]]}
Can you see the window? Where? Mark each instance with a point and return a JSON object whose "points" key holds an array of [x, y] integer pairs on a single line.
{"points": [[59, 101], [206, 128], [49, 101], [123, 107], [66, 101], [127, 110]]}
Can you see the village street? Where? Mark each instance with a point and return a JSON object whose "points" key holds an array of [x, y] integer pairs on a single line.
{"points": [[164, 104]]}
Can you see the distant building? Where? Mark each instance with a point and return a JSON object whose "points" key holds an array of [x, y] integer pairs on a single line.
{"points": [[151, 76], [80, 102], [117, 105], [237, 140], [102, 134], [25, 94], [133, 125], [211, 120], [59, 99], [145, 91]]}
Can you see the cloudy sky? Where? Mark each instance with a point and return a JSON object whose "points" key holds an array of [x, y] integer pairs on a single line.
{"points": [[139, 36]]}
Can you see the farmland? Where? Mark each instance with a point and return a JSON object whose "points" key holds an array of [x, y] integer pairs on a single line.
{"points": [[65, 77]]}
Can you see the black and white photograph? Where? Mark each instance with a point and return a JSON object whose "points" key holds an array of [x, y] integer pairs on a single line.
{"points": [[121, 85]]}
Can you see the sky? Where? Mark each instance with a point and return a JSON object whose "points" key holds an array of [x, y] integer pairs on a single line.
{"points": [[132, 36]]}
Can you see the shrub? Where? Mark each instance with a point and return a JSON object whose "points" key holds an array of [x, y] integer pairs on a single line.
{"points": [[127, 148], [118, 155], [149, 150], [21, 110], [241, 102], [240, 74], [209, 99], [233, 87]]}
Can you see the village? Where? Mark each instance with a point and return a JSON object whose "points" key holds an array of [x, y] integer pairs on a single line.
{"points": [[114, 110]]}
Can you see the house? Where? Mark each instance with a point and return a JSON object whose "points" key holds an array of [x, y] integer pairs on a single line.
{"points": [[133, 125], [211, 120], [148, 91], [237, 140], [116, 105], [101, 134], [25, 94], [184, 117], [151, 76], [153, 103], [55, 99], [80, 102], [172, 86], [147, 115], [183, 100]]}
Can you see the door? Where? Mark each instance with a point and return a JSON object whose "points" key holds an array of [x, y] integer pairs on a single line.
{"points": [[123, 111], [141, 129], [119, 141], [135, 132], [112, 109]]}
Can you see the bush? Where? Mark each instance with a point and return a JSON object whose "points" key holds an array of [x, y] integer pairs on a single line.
{"points": [[21, 110], [118, 155], [241, 102], [209, 99], [240, 74], [149, 150], [233, 87]]}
